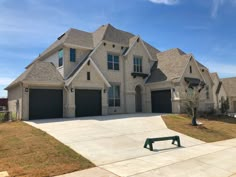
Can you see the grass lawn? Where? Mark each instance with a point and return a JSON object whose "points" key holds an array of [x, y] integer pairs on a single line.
{"points": [[213, 128], [27, 151]]}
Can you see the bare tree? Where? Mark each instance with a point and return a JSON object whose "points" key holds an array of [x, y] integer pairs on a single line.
{"points": [[191, 100], [224, 105]]}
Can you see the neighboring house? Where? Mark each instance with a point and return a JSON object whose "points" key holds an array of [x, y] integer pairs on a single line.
{"points": [[3, 104], [229, 85], [219, 93], [109, 71], [169, 80]]}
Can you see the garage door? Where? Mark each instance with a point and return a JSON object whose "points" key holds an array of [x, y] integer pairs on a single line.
{"points": [[161, 101], [88, 102], [45, 103]]}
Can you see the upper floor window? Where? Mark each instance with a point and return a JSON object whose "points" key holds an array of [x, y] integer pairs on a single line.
{"points": [[113, 62], [60, 57], [88, 76], [72, 55], [138, 64], [114, 96], [190, 69]]}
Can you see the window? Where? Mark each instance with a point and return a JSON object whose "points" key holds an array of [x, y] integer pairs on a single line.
{"points": [[88, 76], [190, 69], [114, 96], [72, 54], [113, 62], [138, 64], [60, 57]]}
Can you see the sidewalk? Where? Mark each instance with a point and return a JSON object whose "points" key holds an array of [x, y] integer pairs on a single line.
{"points": [[205, 160]]}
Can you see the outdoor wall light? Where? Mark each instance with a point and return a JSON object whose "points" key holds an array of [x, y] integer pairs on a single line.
{"points": [[26, 89], [173, 89], [104, 90], [113, 45], [72, 89]]}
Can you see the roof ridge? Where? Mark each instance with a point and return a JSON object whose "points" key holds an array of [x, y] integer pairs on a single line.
{"points": [[228, 78], [181, 52], [106, 29], [79, 30]]}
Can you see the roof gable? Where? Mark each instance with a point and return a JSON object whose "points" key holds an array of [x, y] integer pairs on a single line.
{"points": [[89, 40], [151, 51], [172, 63], [68, 81], [229, 85], [39, 72]]}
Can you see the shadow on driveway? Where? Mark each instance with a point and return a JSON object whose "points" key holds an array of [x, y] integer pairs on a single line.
{"points": [[97, 118]]}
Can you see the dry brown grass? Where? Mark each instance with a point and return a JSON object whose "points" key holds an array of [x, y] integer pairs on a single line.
{"points": [[213, 128], [27, 151]]}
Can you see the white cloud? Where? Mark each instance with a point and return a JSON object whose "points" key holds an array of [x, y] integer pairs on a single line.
{"points": [[38, 20], [166, 2], [195, 27], [224, 70], [5, 81], [234, 2], [215, 7]]}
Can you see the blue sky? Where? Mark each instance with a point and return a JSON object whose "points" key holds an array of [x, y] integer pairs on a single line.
{"points": [[205, 28]]}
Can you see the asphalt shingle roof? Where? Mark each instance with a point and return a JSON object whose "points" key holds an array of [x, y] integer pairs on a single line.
{"points": [[39, 72], [229, 85], [91, 40], [170, 67]]}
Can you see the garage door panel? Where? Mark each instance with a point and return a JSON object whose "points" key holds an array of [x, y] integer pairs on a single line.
{"points": [[45, 103], [161, 101], [88, 102]]}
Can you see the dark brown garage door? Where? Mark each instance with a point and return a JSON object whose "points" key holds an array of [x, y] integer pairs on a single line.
{"points": [[88, 102], [45, 103], [161, 101]]}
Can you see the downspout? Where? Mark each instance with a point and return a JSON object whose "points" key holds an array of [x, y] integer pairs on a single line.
{"points": [[22, 101], [64, 106], [124, 87]]}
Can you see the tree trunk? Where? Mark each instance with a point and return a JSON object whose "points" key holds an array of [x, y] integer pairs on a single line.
{"points": [[194, 118]]}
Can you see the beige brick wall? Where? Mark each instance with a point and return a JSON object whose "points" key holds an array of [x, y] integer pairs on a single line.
{"points": [[217, 98], [123, 76], [14, 96], [232, 104], [54, 59], [131, 83], [205, 104], [68, 65], [113, 76], [80, 82]]}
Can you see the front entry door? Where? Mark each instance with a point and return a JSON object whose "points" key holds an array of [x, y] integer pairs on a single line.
{"points": [[138, 99]]}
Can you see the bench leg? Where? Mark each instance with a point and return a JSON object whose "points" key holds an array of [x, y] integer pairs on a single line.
{"points": [[150, 146], [173, 141], [146, 143], [178, 141]]}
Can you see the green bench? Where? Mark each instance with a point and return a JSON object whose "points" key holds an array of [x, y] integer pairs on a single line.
{"points": [[150, 141]]}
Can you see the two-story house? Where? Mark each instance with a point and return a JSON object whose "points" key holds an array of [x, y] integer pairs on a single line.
{"points": [[108, 71]]}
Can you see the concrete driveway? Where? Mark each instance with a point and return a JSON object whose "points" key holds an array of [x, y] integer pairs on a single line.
{"points": [[115, 144]]}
